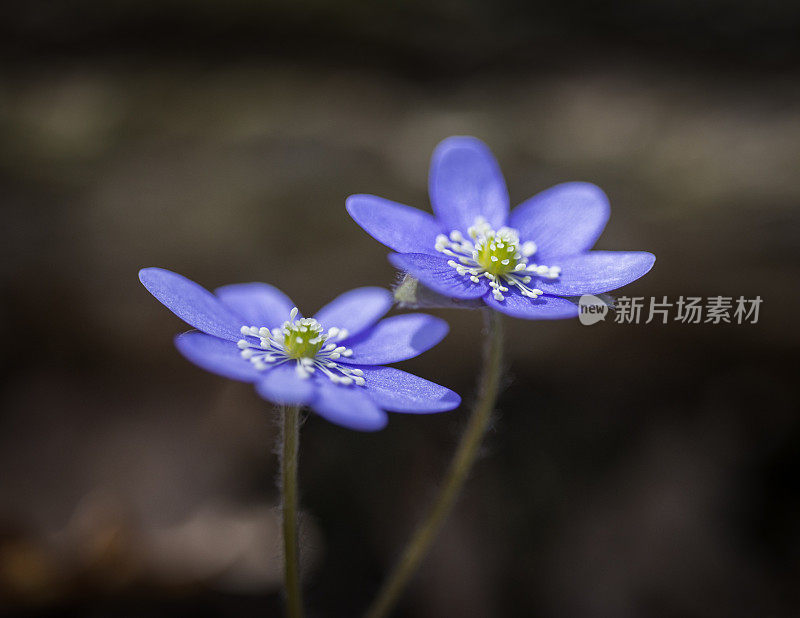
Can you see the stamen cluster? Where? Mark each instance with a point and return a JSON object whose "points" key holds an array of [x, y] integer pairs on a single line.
{"points": [[303, 341], [495, 255]]}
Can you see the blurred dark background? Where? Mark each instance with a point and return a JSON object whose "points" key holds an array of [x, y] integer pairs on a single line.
{"points": [[632, 471]]}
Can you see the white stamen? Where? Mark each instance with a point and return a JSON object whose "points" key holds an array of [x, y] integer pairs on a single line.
{"points": [[467, 256], [308, 334]]}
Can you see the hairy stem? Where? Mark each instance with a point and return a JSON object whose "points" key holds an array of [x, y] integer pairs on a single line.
{"points": [[290, 438], [456, 476]]}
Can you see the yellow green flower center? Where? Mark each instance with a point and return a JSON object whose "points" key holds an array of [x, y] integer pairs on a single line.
{"points": [[303, 342], [497, 256], [303, 339]]}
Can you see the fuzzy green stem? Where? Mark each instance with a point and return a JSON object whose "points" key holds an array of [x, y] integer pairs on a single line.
{"points": [[290, 438], [456, 476]]}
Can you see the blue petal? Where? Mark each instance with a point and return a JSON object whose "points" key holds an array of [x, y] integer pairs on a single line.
{"points": [[192, 303], [260, 304], [397, 226], [465, 183], [596, 272], [283, 386], [356, 310], [398, 391], [438, 275], [394, 339], [348, 406], [217, 356], [562, 220], [543, 308]]}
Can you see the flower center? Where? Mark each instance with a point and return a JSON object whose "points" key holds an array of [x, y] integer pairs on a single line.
{"points": [[497, 252], [304, 342], [496, 255], [303, 338]]}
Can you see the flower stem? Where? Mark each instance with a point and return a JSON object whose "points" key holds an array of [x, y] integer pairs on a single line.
{"points": [[290, 434], [456, 476]]}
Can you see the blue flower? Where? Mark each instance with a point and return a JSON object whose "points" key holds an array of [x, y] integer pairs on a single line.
{"points": [[520, 263], [332, 362]]}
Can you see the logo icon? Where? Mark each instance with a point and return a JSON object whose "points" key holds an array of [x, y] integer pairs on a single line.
{"points": [[591, 309]]}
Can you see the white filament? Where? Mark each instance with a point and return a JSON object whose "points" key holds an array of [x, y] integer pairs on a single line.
{"points": [[270, 350]]}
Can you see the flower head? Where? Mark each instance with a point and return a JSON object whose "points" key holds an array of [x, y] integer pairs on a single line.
{"points": [[521, 262], [332, 362]]}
